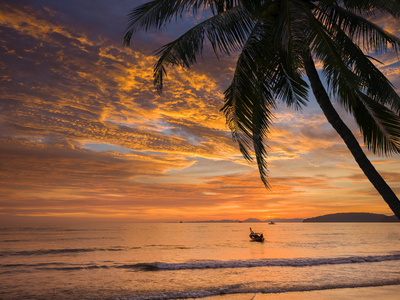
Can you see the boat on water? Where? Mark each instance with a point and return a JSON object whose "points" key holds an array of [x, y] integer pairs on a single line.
{"points": [[271, 223], [257, 237]]}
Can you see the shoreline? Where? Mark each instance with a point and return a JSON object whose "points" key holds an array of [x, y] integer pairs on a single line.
{"points": [[388, 292]]}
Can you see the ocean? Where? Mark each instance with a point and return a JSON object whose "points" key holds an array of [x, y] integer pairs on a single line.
{"points": [[190, 260]]}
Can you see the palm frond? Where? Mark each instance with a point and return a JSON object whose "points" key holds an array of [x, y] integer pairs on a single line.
{"points": [[340, 79], [362, 31], [285, 68], [373, 82], [219, 6], [249, 101], [391, 7], [289, 26], [157, 13], [226, 32], [288, 84], [360, 87], [379, 125]]}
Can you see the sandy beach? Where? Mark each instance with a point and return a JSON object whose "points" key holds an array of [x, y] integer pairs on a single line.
{"points": [[391, 292]]}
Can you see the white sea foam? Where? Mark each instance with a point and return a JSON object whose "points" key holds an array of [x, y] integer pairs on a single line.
{"points": [[209, 264], [294, 262]]}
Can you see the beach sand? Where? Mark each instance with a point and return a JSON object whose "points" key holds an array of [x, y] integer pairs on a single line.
{"points": [[391, 292]]}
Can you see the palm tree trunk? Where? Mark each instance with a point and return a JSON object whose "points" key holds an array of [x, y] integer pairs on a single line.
{"points": [[334, 119]]}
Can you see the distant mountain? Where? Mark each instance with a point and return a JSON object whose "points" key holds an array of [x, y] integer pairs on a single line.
{"points": [[215, 221], [251, 220], [352, 217]]}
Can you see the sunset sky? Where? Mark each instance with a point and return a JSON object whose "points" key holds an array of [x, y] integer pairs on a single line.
{"points": [[85, 136]]}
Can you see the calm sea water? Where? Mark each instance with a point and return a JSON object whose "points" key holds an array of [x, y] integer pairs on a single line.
{"points": [[162, 261]]}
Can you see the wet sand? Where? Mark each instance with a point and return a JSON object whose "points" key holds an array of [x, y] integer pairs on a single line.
{"points": [[391, 292]]}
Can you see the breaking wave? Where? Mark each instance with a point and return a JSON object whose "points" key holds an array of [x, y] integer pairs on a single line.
{"points": [[295, 262], [196, 265]]}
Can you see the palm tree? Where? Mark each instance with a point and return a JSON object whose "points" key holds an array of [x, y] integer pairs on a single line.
{"points": [[279, 42]]}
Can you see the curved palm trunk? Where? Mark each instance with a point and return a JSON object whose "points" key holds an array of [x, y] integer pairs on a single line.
{"points": [[334, 119]]}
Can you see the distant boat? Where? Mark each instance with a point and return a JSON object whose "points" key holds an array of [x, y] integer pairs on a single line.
{"points": [[271, 223], [257, 237]]}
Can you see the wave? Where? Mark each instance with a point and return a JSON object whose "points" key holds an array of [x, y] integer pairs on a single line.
{"points": [[34, 239], [49, 266], [200, 265], [15, 241], [62, 251], [253, 291], [294, 262]]}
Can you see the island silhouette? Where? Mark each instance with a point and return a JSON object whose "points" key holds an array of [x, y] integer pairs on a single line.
{"points": [[352, 217]]}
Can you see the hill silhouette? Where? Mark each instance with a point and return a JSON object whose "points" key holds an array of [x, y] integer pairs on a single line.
{"points": [[352, 217]]}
